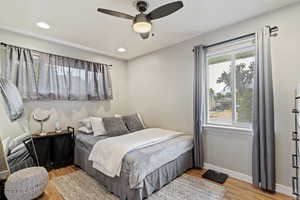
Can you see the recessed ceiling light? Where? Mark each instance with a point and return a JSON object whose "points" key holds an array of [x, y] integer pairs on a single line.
{"points": [[122, 50], [43, 25]]}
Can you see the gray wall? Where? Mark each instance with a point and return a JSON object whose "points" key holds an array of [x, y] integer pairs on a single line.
{"points": [[68, 113], [160, 87]]}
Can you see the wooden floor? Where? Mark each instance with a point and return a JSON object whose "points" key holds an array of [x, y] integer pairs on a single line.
{"points": [[240, 190], [236, 190]]}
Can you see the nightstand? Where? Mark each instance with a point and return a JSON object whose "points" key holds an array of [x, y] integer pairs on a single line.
{"points": [[55, 150], [2, 195]]}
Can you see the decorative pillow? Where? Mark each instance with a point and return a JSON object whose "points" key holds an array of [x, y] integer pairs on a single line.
{"points": [[115, 126], [142, 121], [86, 123], [17, 148], [133, 122], [17, 141], [98, 126], [85, 130]]}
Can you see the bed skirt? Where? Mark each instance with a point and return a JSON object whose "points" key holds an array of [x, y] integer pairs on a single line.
{"points": [[119, 186]]}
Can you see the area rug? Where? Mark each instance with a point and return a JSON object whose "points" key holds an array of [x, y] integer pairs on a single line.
{"points": [[79, 185]]}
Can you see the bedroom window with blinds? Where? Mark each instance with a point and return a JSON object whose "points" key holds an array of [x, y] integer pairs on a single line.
{"points": [[230, 84]]}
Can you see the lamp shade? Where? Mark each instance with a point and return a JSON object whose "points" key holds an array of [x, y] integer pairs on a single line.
{"points": [[12, 99], [142, 24], [142, 27]]}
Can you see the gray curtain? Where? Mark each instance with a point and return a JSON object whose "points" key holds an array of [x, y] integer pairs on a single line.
{"points": [[17, 65], [263, 155], [199, 105], [62, 78], [51, 77], [98, 82], [54, 77], [11, 99]]}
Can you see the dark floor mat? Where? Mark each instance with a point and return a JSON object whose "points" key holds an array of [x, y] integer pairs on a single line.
{"points": [[215, 176]]}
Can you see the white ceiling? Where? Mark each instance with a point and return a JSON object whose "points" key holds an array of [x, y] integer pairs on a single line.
{"points": [[77, 22]]}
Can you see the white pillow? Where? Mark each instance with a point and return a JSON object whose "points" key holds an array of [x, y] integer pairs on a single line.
{"points": [[85, 130], [98, 126]]}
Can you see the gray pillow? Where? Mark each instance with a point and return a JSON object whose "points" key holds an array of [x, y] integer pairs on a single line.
{"points": [[115, 126], [133, 122], [86, 123]]}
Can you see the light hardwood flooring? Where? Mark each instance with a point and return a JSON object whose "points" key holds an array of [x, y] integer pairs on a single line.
{"points": [[240, 190], [236, 189]]}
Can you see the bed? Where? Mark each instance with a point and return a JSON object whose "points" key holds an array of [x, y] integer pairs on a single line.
{"points": [[134, 182]]}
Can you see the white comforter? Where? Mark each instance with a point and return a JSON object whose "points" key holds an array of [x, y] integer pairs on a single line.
{"points": [[107, 155]]}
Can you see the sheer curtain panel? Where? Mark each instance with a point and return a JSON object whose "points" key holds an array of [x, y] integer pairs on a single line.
{"points": [[52, 77], [63, 78], [17, 65]]}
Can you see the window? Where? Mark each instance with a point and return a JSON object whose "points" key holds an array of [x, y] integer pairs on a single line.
{"points": [[230, 84]]}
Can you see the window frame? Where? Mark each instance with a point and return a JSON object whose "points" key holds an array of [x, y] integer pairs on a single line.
{"points": [[234, 125]]}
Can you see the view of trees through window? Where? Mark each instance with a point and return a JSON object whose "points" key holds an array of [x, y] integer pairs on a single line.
{"points": [[230, 86]]}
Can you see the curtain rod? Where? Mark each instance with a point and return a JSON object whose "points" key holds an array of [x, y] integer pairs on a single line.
{"points": [[273, 31], [4, 44]]}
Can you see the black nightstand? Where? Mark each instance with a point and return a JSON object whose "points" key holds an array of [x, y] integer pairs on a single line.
{"points": [[2, 195], [55, 150]]}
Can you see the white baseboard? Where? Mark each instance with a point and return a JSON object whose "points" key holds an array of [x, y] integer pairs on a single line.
{"points": [[244, 177], [231, 173]]}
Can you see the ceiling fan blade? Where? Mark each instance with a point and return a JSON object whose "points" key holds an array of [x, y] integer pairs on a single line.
{"points": [[145, 36], [115, 13], [165, 10]]}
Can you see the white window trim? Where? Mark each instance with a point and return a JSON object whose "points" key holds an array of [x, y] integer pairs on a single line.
{"points": [[232, 129], [234, 126]]}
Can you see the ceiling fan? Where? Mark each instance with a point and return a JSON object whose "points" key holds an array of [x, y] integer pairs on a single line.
{"points": [[142, 22]]}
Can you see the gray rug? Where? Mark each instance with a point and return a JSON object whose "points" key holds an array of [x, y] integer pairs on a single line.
{"points": [[78, 185]]}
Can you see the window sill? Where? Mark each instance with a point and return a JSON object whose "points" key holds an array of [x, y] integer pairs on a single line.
{"points": [[237, 130]]}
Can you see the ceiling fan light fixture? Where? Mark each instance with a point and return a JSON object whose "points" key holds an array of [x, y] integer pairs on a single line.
{"points": [[142, 27], [142, 22]]}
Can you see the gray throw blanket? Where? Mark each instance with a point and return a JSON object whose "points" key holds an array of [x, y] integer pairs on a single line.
{"points": [[141, 162], [20, 159]]}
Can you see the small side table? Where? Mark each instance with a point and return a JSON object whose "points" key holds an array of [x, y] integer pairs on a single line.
{"points": [[55, 150]]}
